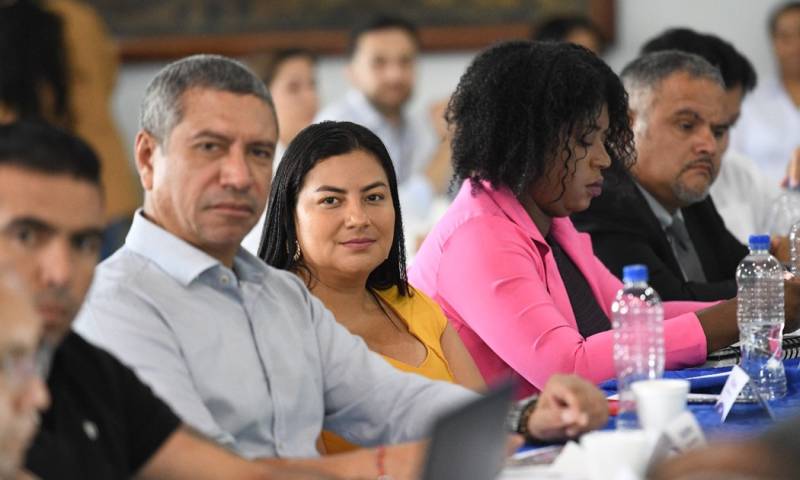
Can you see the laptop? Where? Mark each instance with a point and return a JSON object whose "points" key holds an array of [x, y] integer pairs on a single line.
{"points": [[469, 443]]}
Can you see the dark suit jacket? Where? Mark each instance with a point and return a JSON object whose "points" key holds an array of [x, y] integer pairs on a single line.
{"points": [[625, 230]]}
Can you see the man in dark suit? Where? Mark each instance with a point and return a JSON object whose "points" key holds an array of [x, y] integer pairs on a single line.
{"points": [[660, 214]]}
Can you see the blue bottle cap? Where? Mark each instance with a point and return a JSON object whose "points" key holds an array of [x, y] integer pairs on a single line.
{"points": [[634, 273], [758, 242]]}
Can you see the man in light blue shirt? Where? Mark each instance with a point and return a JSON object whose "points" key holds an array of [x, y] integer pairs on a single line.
{"points": [[241, 351]]}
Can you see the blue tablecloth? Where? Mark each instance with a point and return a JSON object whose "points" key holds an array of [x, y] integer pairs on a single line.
{"points": [[744, 419]]}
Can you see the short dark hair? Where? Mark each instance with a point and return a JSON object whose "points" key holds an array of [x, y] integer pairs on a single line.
{"points": [[266, 65], [519, 103], [645, 73], [735, 68], [380, 22], [557, 29], [161, 107], [776, 14], [48, 149], [312, 145]]}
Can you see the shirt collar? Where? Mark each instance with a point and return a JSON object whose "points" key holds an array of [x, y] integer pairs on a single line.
{"points": [[505, 199], [370, 114], [180, 259], [662, 214]]}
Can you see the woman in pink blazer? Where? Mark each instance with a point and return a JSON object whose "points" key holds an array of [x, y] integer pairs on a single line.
{"points": [[537, 126]]}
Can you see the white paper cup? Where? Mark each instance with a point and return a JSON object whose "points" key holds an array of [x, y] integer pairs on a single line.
{"points": [[659, 401], [616, 454]]}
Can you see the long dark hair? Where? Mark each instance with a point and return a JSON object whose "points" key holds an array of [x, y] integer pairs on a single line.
{"points": [[312, 145]]}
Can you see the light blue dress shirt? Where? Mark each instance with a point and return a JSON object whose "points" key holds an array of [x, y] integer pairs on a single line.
{"points": [[248, 356]]}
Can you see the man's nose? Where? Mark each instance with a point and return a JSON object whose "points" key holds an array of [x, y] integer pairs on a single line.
{"points": [[56, 263], [235, 171]]}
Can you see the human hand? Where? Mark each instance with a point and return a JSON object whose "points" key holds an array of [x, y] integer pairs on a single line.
{"points": [[437, 110], [791, 304], [792, 178], [567, 406], [404, 461], [779, 246]]}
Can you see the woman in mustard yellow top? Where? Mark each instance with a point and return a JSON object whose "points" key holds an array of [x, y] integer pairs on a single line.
{"points": [[334, 219]]}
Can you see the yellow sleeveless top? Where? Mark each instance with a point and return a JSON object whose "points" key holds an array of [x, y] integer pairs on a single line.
{"points": [[426, 322]]}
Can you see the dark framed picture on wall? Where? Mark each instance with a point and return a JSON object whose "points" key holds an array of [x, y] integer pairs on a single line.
{"points": [[161, 29]]}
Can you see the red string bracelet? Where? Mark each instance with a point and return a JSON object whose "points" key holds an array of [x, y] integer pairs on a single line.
{"points": [[380, 463]]}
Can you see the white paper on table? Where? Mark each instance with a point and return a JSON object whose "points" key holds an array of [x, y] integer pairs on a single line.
{"points": [[737, 380]]}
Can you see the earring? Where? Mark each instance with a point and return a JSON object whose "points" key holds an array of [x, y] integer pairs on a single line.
{"points": [[297, 252]]}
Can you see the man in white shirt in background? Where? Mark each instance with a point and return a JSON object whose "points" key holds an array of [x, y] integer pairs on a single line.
{"points": [[769, 128], [382, 71]]}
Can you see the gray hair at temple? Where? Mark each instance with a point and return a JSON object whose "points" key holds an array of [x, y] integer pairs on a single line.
{"points": [[644, 75], [161, 107]]}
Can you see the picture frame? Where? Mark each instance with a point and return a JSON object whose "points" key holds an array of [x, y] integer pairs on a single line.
{"points": [[149, 30]]}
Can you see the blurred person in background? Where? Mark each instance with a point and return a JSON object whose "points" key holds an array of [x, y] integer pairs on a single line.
{"points": [[769, 128], [382, 71], [290, 78], [60, 66], [572, 29]]}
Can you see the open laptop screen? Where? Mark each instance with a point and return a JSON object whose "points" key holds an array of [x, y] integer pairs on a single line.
{"points": [[469, 443]]}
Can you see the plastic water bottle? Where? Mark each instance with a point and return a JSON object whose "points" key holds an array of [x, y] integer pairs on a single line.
{"points": [[760, 316], [794, 249], [784, 212], [638, 321]]}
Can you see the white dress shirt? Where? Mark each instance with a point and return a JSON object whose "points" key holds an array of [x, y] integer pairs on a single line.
{"points": [[743, 195], [768, 130]]}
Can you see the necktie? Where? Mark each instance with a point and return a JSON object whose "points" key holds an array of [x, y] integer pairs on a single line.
{"points": [[684, 251]]}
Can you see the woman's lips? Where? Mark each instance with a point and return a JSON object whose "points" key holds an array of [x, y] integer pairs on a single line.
{"points": [[595, 189], [358, 243]]}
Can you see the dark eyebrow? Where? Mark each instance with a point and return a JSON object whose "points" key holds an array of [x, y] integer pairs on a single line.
{"points": [[374, 185], [328, 188], [42, 226], [226, 139], [212, 134], [88, 232], [262, 144], [30, 222], [686, 112]]}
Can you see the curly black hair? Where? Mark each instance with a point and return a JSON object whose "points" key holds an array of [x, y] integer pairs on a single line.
{"points": [[312, 145], [518, 105]]}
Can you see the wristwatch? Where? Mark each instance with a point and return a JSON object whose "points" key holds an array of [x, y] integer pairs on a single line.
{"points": [[519, 413]]}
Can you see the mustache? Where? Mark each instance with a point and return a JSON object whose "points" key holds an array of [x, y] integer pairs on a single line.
{"points": [[706, 161], [54, 295], [231, 197]]}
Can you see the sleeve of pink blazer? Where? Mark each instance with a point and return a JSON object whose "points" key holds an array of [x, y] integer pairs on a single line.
{"points": [[490, 274]]}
